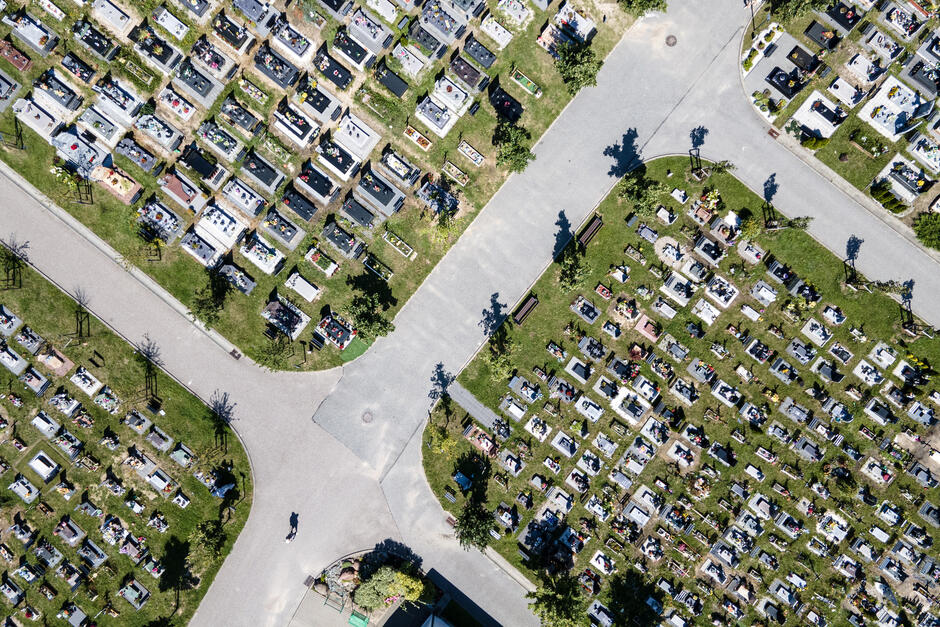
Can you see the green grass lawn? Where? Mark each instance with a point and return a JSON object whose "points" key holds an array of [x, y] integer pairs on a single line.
{"points": [[875, 313], [183, 417], [240, 319], [860, 168]]}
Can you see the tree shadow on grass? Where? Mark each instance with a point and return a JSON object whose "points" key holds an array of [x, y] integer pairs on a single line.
{"points": [[478, 469], [221, 414], [177, 576], [369, 283], [629, 600], [625, 154]]}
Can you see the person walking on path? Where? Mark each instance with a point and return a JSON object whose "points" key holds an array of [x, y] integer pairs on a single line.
{"points": [[293, 527]]}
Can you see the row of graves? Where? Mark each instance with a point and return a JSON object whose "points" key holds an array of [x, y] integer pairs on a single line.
{"points": [[98, 479], [223, 183], [673, 429], [465, 77], [890, 81]]}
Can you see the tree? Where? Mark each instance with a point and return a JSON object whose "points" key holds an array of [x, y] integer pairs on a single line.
{"points": [[207, 539], [473, 525], [751, 228], [573, 271], [13, 256], [639, 8], [927, 229], [501, 348], [722, 167], [500, 367], [557, 601], [372, 592], [800, 223], [645, 194], [274, 353], [786, 10], [210, 299], [578, 65], [366, 310], [512, 146], [387, 585]]}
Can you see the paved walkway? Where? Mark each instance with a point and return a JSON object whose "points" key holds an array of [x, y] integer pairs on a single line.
{"points": [[354, 483], [480, 412]]}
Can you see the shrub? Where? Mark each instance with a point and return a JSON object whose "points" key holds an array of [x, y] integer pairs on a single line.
{"points": [[578, 66], [512, 143], [387, 585], [814, 143]]}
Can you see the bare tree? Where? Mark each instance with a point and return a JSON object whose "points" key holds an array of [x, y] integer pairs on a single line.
{"points": [[82, 315], [149, 353], [222, 413], [14, 254]]}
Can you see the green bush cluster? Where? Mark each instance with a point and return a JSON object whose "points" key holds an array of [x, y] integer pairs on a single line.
{"points": [[814, 143], [748, 62], [927, 229], [880, 191], [388, 584]]}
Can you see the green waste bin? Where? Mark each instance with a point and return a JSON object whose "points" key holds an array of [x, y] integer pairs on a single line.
{"points": [[358, 620]]}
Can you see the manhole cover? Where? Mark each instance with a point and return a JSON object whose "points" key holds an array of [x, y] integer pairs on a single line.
{"points": [[367, 417], [671, 40]]}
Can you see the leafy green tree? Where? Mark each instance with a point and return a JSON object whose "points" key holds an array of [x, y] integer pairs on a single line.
{"points": [[372, 592], [787, 10], [513, 146], [645, 194], [751, 228], [800, 223], [573, 271], [274, 353], [388, 583], [368, 313], [927, 229], [208, 540], [499, 358], [500, 367], [578, 65], [721, 167], [473, 525], [557, 601], [639, 8], [210, 299], [410, 587]]}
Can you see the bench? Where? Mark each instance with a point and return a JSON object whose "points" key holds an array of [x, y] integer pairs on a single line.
{"points": [[317, 341], [525, 309], [590, 230]]}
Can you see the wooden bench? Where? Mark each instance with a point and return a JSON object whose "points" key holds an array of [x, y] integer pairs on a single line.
{"points": [[590, 230], [525, 309]]}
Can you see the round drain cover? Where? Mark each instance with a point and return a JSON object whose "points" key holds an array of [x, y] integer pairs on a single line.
{"points": [[367, 417], [671, 40]]}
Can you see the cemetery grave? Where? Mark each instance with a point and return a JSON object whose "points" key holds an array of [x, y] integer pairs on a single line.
{"points": [[728, 474], [106, 474], [181, 108]]}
